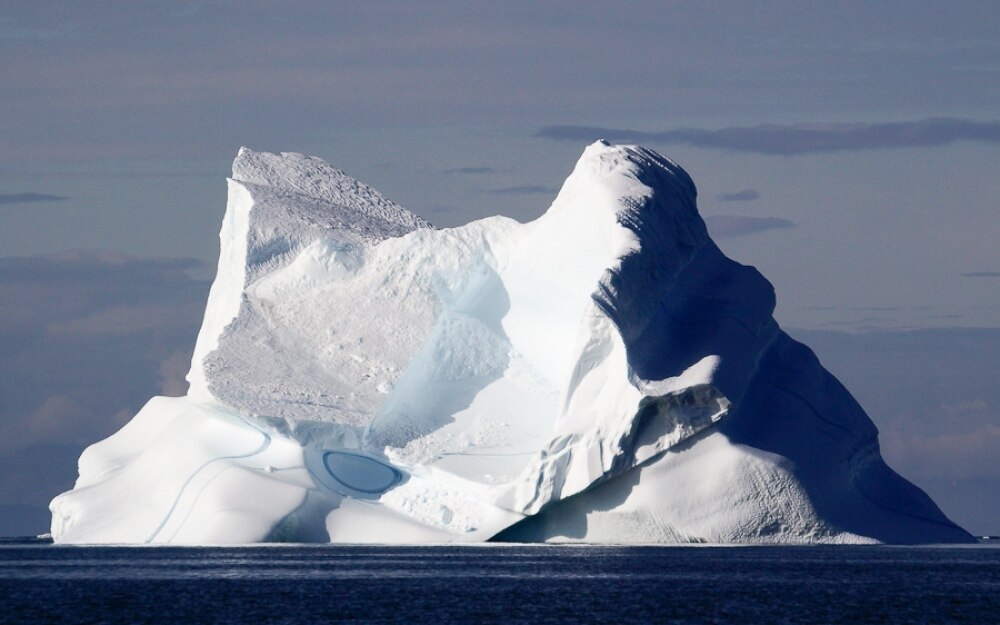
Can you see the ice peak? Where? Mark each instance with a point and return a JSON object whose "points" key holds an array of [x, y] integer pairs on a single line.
{"points": [[638, 189], [632, 161]]}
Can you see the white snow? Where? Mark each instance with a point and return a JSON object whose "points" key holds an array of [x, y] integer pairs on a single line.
{"points": [[601, 374]]}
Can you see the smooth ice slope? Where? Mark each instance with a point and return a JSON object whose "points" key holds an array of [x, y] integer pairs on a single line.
{"points": [[601, 374]]}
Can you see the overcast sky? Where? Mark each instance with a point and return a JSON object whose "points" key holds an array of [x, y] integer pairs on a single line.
{"points": [[851, 151]]}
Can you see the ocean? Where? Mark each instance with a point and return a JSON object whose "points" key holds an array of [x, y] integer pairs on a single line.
{"points": [[497, 583]]}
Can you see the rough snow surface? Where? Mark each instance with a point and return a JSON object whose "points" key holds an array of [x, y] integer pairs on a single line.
{"points": [[601, 374]]}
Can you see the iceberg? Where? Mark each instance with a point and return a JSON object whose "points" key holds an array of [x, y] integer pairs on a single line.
{"points": [[601, 374]]}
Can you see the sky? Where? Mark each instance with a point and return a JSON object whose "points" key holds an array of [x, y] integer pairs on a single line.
{"points": [[850, 151]]}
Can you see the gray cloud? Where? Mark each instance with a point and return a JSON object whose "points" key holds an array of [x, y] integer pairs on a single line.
{"points": [[745, 195], [859, 307], [443, 209], [86, 339], [470, 170], [24, 198], [982, 274], [528, 189], [12, 31], [737, 225], [775, 139]]}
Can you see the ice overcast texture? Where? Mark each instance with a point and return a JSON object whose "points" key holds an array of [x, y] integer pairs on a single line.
{"points": [[601, 374]]}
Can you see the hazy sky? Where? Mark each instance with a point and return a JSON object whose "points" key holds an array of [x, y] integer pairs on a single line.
{"points": [[851, 151]]}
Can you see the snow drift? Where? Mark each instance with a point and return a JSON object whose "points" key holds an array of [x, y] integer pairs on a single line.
{"points": [[603, 374]]}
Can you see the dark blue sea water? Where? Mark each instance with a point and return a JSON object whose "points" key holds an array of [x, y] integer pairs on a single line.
{"points": [[497, 584]]}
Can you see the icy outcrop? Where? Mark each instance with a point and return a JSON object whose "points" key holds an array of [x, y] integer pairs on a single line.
{"points": [[601, 374]]}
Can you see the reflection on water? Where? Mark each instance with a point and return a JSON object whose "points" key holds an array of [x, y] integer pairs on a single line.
{"points": [[519, 583]]}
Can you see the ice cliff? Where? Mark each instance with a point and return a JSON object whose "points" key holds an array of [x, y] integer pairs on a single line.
{"points": [[602, 374]]}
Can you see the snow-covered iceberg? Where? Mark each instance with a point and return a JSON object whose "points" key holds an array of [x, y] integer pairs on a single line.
{"points": [[603, 373]]}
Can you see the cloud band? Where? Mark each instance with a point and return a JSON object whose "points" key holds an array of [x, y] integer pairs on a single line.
{"points": [[791, 139]]}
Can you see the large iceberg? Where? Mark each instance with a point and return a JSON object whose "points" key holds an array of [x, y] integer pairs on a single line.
{"points": [[601, 374]]}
